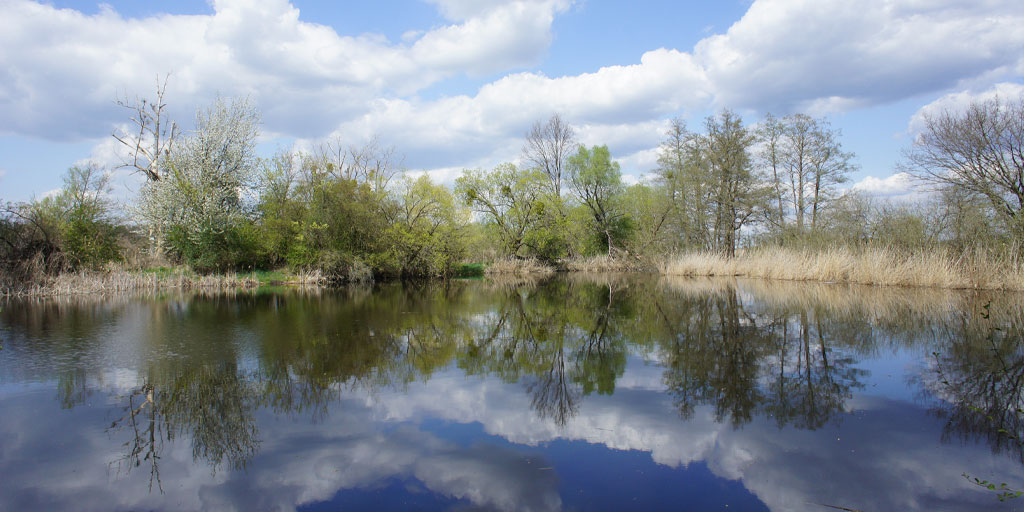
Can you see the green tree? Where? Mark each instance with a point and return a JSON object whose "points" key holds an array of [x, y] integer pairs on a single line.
{"points": [[425, 237], [596, 182], [520, 208], [88, 231], [683, 176]]}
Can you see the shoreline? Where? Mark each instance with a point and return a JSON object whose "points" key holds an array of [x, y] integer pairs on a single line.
{"points": [[977, 270]]}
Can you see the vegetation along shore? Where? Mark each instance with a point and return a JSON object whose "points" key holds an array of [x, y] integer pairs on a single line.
{"points": [[727, 198]]}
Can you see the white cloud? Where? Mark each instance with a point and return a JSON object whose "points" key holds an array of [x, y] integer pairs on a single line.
{"points": [[957, 101], [614, 105], [899, 184], [819, 56], [304, 76], [828, 55]]}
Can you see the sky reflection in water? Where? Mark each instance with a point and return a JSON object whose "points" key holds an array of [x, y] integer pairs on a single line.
{"points": [[571, 393]]}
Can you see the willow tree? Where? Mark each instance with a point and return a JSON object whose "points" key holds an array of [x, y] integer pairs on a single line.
{"points": [[597, 183], [519, 206]]}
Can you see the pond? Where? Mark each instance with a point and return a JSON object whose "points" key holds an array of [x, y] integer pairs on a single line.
{"points": [[577, 392]]}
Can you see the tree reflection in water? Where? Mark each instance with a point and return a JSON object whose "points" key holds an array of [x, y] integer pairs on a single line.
{"points": [[782, 364], [979, 376], [207, 365], [212, 406]]}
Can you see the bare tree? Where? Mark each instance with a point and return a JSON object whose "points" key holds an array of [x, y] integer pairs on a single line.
{"points": [[155, 136], [548, 146], [771, 132], [979, 150], [806, 153], [370, 163]]}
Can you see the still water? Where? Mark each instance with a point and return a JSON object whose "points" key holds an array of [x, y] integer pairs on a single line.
{"points": [[573, 393]]}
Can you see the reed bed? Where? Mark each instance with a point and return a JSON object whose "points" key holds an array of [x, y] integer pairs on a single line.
{"points": [[605, 263], [518, 267], [978, 270], [115, 280]]}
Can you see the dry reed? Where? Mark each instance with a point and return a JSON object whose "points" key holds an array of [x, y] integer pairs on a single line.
{"points": [[980, 270], [518, 267], [605, 263], [112, 280]]}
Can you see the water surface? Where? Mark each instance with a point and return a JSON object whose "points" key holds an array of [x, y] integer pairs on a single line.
{"points": [[573, 393]]}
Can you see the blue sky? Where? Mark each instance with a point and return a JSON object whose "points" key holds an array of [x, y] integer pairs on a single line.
{"points": [[455, 84]]}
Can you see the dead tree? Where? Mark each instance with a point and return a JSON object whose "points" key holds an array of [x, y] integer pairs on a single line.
{"points": [[155, 136]]}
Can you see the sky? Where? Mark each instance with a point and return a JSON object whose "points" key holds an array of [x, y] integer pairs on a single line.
{"points": [[455, 84]]}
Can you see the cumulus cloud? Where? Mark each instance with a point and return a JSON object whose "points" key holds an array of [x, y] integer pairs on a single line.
{"points": [[823, 55], [817, 56], [899, 184], [305, 76], [783, 55], [957, 101]]}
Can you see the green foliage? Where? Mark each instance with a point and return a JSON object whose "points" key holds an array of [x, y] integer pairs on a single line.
{"points": [[424, 237], [520, 208], [469, 270], [88, 234], [596, 181], [209, 249]]}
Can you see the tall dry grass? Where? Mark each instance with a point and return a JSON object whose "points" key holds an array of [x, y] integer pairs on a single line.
{"points": [[115, 279], [978, 269], [605, 263], [518, 267]]}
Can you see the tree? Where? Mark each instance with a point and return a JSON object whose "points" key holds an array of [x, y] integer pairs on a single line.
{"points": [[200, 200], [424, 232], [682, 173], [736, 194], [156, 133], [88, 233], [979, 150], [771, 133], [649, 208], [597, 183], [73, 229], [804, 161], [371, 163], [548, 148], [519, 207]]}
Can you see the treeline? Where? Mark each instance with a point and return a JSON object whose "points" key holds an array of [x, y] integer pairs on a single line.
{"points": [[211, 203]]}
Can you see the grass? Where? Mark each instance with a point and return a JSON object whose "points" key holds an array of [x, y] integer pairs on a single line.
{"points": [[978, 269], [469, 270]]}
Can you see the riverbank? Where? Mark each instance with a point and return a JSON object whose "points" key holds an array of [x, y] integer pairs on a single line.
{"points": [[977, 270]]}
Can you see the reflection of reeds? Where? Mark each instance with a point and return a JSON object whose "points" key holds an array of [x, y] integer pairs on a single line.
{"points": [[510, 281], [518, 266], [847, 300], [977, 269]]}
